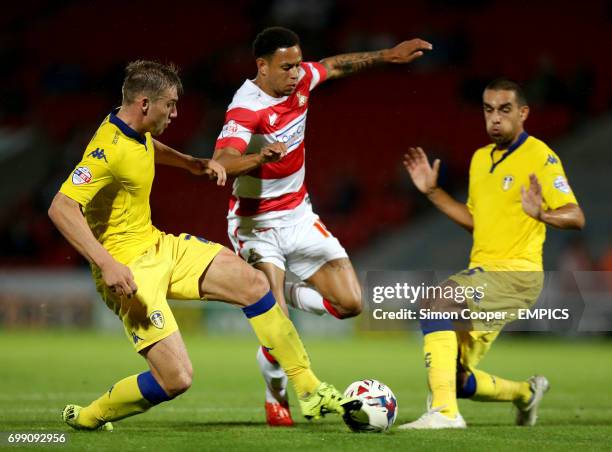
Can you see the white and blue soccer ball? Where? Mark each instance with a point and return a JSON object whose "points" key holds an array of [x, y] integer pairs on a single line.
{"points": [[379, 408]]}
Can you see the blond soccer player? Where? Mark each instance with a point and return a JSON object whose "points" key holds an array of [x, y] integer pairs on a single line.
{"points": [[103, 211]]}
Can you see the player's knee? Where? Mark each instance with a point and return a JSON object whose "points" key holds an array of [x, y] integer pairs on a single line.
{"points": [[255, 286], [351, 308], [350, 304], [180, 382]]}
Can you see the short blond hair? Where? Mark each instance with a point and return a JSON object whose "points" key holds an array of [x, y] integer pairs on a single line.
{"points": [[150, 78]]}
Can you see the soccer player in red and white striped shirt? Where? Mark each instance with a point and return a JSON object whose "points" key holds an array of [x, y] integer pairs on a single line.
{"points": [[270, 221]]}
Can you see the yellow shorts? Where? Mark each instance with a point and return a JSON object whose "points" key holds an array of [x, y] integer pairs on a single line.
{"points": [[495, 293], [169, 269], [503, 291], [473, 345]]}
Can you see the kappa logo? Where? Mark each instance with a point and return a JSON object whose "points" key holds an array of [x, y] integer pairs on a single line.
{"points": [[507, 182], [272, 118], [428, 360], [301, 99], [81, 176], [551, 159], [157, 319], [136, 338], [98, 154]]}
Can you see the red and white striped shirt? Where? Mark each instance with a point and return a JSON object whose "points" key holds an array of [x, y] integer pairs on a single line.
{"points": [[273, 194]]}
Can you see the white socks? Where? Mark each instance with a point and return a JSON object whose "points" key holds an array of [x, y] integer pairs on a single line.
{"points": [[274, 375], [304, 297]]}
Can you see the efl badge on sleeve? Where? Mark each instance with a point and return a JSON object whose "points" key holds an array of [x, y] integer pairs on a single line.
{"points": [[560, 183], [81, 176], [301, 99], [230, 129]]}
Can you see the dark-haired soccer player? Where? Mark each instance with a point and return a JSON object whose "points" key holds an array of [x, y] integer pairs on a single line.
{"points": [[103, 210], [517, 187], [271, 222]]}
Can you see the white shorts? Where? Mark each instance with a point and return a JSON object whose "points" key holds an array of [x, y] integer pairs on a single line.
{"points": [[302, 248]]}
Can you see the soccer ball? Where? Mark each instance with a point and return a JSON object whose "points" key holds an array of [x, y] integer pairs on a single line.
{"points": [[379, 408]]}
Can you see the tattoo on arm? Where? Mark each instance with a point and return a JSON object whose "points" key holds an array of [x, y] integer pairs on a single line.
{"points": [[350, 63]]}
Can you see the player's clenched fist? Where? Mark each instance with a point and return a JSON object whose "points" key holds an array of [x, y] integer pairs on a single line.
{"points": [[118, 278], [210, 168], [214, 170], [407, 51], [273, 152]]}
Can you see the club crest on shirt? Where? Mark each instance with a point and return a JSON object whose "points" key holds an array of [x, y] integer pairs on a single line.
{"points": [[81, 176], [560, 183], [272, 117], [301, 99], [507, 182], [157, 319]]}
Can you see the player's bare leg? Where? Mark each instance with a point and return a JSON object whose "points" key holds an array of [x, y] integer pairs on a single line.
{"points": [[230, 279], [276, 278], [339, 286], [170, 364], [277, 403]]}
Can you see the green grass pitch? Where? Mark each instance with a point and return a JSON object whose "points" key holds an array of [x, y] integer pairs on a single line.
{"points": [[40, 372]]}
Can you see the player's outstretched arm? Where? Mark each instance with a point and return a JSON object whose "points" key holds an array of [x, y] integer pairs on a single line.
{"points": [[67, 217], [165, 155], [350, 63], [236, 163], [568, 216], [425, 178]]}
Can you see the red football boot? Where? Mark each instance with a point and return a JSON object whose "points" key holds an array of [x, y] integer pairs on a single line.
{"points": [[278, 414]]}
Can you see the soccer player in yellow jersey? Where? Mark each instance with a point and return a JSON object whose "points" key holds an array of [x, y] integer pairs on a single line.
{"points": [[517, 186], [103, 211]]}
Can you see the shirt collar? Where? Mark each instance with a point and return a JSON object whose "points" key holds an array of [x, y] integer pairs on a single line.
{"points": [[125, 129], [513, 147], [521, 139]]}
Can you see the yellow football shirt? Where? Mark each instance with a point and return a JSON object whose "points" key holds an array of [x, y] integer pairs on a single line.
{"points": [[113, 183], [503, 232]]}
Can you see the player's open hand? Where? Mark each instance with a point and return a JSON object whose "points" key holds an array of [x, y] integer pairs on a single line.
{"points": [[531, 198], [407, 51], [423, 175], [273, 152], [119, 278]]}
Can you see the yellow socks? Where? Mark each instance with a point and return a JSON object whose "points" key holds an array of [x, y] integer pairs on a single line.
{"points": [[440, 349], [132, 395], [123, 399], [490, 388], [280, 338]]}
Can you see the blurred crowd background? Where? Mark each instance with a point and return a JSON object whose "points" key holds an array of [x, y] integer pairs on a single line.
{"points": [[61, 67]]}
